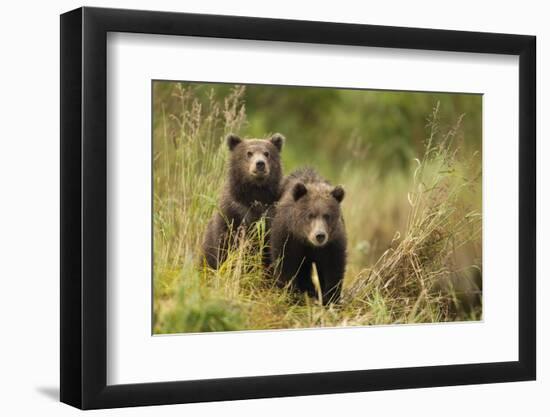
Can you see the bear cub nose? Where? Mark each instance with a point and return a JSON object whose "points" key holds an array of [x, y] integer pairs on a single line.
{"points": [[260, 165], [320, 237]]}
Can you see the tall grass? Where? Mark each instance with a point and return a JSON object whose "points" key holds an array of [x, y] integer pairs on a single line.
{"points": [[414, 240], [188, 171], [415, 278]]}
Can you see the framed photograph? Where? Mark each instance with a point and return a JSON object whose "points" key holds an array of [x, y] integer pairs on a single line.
{"points": [[257, 208]]}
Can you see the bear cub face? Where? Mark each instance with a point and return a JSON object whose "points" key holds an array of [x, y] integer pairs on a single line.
{"points": [[318, 212], [255, 162]]}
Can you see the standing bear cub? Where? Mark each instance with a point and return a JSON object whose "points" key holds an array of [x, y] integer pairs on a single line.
{"points": [[308, 228], [251, 189]]}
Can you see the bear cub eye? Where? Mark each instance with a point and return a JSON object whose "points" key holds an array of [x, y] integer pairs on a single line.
{"points": [[326, 217], [311, 216], [249, 154], [266, 154]]}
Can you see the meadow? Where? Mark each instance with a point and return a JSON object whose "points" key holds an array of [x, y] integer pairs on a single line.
{"points": [[411, 167]]}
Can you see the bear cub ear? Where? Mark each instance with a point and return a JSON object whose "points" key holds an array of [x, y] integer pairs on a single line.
{"points": [[338, 193], [232, 141], [299, 191], [277, 140]]}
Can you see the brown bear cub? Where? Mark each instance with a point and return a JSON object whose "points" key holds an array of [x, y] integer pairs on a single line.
{"points": [[250, 191], [308, 228]]}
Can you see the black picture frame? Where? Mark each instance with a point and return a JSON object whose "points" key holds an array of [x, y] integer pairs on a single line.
{"points": [[84, 207]]}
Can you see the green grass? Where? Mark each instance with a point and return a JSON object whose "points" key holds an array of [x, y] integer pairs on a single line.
{"points": [[414, 238]]}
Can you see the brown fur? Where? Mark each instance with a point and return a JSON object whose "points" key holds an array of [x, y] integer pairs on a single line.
{"points": [[308, 228], [250, 191]]}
